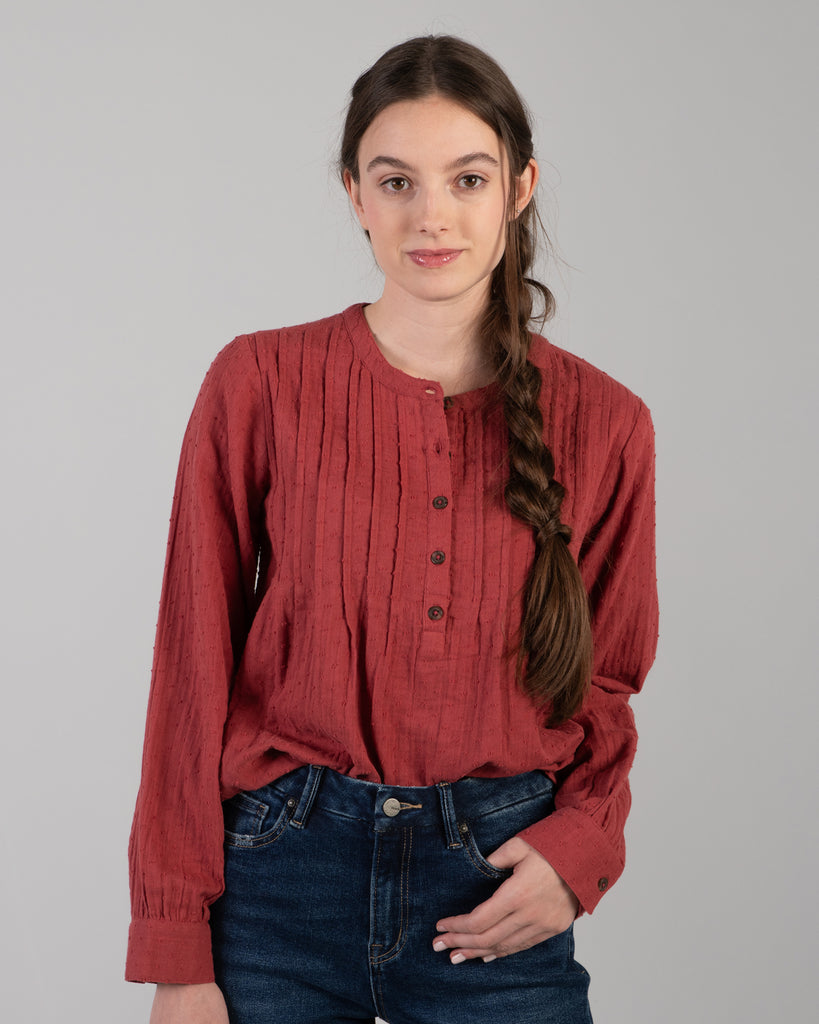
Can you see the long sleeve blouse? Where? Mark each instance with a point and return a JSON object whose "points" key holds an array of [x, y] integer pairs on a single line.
{"points": [[342, 586]]}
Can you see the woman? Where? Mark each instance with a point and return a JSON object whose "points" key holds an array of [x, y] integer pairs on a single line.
{"points": [[395, 532]]}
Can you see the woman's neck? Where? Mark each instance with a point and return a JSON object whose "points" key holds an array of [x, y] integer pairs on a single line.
{"points": [[432, 340]]}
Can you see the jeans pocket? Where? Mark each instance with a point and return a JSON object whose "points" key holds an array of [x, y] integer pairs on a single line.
{"points": [[483, 832], [472, 849], [251, 821]]}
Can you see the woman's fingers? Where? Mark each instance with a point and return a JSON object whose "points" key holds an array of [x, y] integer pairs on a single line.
{"points": [[504, 901], [511, 935], [478, 942], [485, 916], [532, 905]]}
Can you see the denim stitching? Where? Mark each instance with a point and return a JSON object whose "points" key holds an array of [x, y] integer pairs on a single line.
{"points": [[403, 931], [472, 850], [377, 981], [379, 1000], [308, 795], [374, 898], [448, 814], [239, 842]]}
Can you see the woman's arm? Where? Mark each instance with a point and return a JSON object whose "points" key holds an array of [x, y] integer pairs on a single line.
{"points": [[189, 1004], [205, 611], [564, 863], [583, 839]]}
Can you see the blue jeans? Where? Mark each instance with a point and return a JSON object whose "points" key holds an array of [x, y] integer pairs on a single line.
{"points": [[333, 887]]}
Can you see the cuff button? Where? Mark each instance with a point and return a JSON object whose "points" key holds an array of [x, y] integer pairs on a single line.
{"points": [[602, 884]]}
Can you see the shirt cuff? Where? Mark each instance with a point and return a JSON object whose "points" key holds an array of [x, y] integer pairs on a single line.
{"points": [[169, 952], [579, 852]]}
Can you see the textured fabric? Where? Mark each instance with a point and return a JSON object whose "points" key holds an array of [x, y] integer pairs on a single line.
{"points": [[343, 579], [333, 887]]}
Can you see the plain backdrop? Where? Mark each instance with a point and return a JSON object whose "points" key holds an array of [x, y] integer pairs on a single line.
{"points": [[167, 183]]}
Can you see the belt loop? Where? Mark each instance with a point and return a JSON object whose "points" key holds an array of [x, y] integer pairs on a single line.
{"points": [[448, 814], [308, 795]]}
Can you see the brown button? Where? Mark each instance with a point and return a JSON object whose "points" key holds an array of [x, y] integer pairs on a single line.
{"points": [[448, 402], [602, 884], [437, 557], [440, 502], [436, 612]]}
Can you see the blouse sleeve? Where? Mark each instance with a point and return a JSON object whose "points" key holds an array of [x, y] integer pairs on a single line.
{"points": [[583, 838], [206, 607]]}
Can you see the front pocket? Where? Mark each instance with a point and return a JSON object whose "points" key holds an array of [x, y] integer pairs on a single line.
{"points": [[470, 846], [252, 822], [482, 833]]}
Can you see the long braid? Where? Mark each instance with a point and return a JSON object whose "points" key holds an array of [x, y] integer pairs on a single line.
{"points": [[554, 646]]}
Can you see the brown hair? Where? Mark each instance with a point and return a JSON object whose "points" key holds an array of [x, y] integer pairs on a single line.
{"points": [[554, 647]]}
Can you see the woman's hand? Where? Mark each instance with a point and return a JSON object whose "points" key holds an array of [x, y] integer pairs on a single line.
{"points": [[189, 1004], [532, 905]]}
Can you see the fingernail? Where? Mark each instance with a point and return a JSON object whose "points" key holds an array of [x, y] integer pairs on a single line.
{"points": [[489, 959], [439, 928], [458, 958], [439, 946]]}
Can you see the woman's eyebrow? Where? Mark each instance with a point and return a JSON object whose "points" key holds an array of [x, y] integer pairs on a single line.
{"points": [[462, 161]]}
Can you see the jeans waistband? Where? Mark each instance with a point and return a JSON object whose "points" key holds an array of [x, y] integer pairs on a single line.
{"points": [[384, 807]]}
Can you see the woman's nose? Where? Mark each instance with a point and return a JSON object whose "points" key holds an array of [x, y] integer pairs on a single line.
{"points": [[433, 211]]}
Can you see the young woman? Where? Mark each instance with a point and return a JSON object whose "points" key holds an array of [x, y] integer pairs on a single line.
{"points": [[385, 766]]}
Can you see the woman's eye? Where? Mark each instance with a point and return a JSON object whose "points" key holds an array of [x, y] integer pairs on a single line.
{"points": [[396, 184], [471, 181]]}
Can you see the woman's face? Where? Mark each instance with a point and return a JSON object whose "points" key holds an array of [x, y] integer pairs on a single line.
{"points": [[432, 193]]}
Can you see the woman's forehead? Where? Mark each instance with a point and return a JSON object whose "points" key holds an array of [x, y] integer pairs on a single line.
{"points": [[434, 129]]}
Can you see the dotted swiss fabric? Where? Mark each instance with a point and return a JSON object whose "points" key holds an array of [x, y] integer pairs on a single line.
{"points": [[341, 584]]}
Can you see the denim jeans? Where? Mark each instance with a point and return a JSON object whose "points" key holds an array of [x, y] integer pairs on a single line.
{"points": [[333, 887]]}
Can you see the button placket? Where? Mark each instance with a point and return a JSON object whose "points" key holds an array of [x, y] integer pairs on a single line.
{"points": [[439, 517]]}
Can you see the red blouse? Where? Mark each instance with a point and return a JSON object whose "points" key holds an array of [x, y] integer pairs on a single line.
{"points": [[342, 579]]}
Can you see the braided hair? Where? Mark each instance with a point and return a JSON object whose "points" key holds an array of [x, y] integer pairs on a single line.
{"points": [[554, 647]]}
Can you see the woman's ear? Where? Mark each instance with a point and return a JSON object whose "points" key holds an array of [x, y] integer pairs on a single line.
{"points": [[354, 192], [526, 185]]}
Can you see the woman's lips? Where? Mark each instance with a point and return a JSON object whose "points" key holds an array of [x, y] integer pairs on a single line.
{"points": [[434, 257]]}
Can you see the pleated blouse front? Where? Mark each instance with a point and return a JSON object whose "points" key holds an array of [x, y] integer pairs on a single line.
{"points": [[343, 586]]}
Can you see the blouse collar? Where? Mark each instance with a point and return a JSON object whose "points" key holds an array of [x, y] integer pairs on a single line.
{"points": [[383, 371]]}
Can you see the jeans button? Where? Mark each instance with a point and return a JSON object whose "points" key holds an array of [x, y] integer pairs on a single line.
{"points": [[391, 807]]}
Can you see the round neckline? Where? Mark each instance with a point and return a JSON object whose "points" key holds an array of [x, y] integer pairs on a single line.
{"points": [[418, 387]]}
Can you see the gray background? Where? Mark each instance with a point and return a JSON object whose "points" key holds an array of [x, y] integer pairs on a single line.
{"points": [[167, 185]]}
